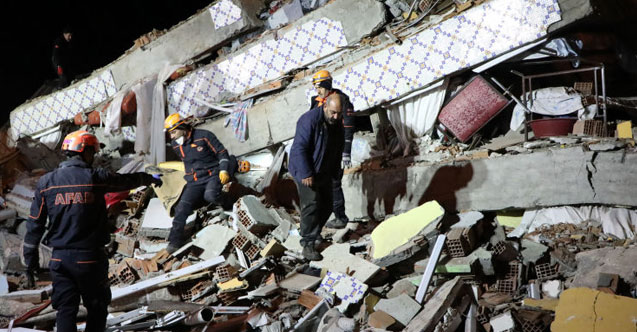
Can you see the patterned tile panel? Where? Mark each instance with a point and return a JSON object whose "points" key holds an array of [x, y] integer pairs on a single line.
{"points": [[477, 35], [224, 13], [62, 105], [260, 63]]}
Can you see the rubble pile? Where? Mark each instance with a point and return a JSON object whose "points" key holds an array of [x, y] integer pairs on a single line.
{"points": [[422, 270]]}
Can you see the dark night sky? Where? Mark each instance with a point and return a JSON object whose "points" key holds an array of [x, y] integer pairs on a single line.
{"points": [[103, 30]]}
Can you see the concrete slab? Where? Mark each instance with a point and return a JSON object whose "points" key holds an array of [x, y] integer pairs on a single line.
{"points": [[402, 308], [532, 251], [402, 286], [199, 33], [435, 307], [584, 309], [497, 183], [213, 239], [591, 263], [337, 258]]}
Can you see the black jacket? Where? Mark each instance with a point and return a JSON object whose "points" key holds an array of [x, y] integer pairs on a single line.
{"points": [[72, 197], [203, 155], [351, 123], [62, 55]]}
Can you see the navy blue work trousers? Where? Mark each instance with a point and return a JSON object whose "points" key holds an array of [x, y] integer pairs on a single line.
{"points": [[80, 274]]}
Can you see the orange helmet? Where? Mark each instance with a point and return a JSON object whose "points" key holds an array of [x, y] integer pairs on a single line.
{"points": [[244, 166], [320, 76], [173, 121], [78, 140]]}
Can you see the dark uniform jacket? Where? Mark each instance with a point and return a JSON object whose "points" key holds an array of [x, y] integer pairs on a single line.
{"points": [[62, 55], [351, 123], [203, 155], [311, 144], [72, 197]]}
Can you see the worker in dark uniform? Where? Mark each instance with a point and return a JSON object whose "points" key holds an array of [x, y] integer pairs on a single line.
{"points": [[208, 167], [72, 198], [322, 82], [62, 58], [315, 162]]}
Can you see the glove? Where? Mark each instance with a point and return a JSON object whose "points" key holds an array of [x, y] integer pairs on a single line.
{"points": [[346, 162], [224, 177], [60, 71], [156, 180]]}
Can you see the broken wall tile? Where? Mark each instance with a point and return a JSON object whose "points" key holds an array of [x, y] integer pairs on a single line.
{"points": [[337, 258]]}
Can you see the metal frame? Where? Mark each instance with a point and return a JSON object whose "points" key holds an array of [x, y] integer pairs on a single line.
{"points": [[597, 68]]}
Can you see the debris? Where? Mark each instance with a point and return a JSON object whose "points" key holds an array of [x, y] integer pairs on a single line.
{"points": [[552, 288], [337, 258], [394, 239], [213, 239], [429, 270], [381, 320], [402, 308], [591, 263], [503, 322], [436, 306], [298, 282], [584, 309]]}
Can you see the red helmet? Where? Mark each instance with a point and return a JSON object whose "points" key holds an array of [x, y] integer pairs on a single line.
{"points": [[78, 140]]}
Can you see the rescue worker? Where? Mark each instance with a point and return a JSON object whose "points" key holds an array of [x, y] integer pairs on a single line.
{"points": [[72, 198], [208, 167], [315, 162], [322, 82], [61, 57]]}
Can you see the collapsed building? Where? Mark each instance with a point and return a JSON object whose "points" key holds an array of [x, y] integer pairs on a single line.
{"points": [[494, 193]]}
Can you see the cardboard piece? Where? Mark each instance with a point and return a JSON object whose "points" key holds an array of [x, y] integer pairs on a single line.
{"points": [[625, 129], [169, 192]]}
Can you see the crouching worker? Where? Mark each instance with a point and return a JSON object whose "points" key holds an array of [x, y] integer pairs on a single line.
{"points": [[72, 198], [208, 167]]}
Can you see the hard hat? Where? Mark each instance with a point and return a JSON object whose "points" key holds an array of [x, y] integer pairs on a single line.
{"points": [[173, 121], [78, 140], [320, 76], [244, 166]]}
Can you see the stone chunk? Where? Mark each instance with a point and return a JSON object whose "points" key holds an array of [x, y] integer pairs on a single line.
{"points": [[617, 260], [213, 239], [299, 282], [502, 322], [402, 308], [402, 286], [337, 258]]}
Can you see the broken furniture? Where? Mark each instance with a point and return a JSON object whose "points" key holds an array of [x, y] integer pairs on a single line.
{"points": [[599, 82]]}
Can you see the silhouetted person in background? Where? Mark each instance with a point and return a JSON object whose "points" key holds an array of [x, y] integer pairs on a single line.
{"points": [[62, 58]]}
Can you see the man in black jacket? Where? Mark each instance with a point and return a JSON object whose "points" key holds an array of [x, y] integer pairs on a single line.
{"points": [[315, 163], [61, 59], [322, 82], [72, 198], [208, 167]]}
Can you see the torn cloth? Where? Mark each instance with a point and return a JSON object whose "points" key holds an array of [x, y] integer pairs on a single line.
{"points": [[144, 98], [239, 120], [619, 222], [113, 117], [415, 117], [553, 101]]}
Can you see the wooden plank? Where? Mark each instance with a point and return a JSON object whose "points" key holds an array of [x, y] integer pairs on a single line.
{"points": [[308, 299]]}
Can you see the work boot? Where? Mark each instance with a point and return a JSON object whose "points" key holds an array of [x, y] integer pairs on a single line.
{"points": [[172, 248], [318, 241], [311, 254], [336, 223]]}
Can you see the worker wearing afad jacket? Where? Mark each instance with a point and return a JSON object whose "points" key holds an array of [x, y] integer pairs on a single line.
{"points": [[72, 198], [322, 82], [208, 167], [315, 161]]}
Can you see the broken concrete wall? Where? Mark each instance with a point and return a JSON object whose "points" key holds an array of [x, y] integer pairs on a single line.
{"points": [[553, 177], [210, 27], [273, 55], [187, 40], [392, 71]]}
